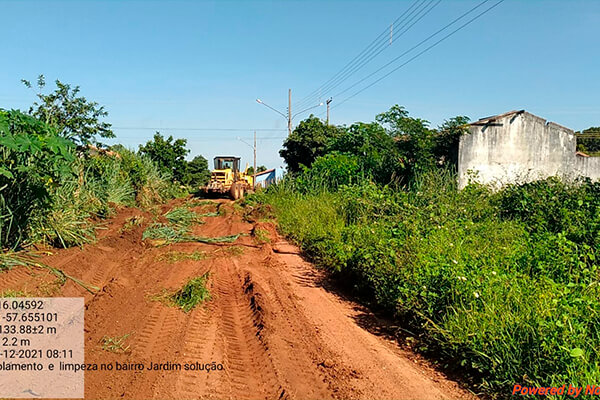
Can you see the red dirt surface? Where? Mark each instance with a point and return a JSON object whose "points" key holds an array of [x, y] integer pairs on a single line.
{"points": [[279, 332]]}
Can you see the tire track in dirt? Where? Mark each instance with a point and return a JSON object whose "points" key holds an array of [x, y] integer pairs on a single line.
{"points": [[276, 330], [246, 357]]}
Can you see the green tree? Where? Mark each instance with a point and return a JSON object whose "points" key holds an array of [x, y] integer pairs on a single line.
{"points": [[414, 139], [32, 160], [73, 116], [446, 140], [588, 141], [375, 148], [259, 169], [308, 141], [197, 172], [169, 154]]}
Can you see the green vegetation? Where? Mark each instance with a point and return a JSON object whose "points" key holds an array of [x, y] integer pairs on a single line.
{"points": [[393, 149], [57, 182], [132, 222], [503, 285], [175, 256], [261, 236], [183, 218], [72, 116], [169, 154], [194, 292], [260, 168], [166, 234], [15, 293], [588, 141], [232, 251], [116, 344]]}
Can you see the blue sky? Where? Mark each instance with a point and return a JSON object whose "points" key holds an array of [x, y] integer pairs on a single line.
{"points": [[156, 65]]}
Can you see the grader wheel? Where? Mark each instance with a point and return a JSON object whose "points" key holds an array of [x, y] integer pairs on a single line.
{"points": [[237, 191], [233, 191]]}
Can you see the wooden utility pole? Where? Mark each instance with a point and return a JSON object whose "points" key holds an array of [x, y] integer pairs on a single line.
{"points": [[289, 112], [254, 177], [328, 101]]}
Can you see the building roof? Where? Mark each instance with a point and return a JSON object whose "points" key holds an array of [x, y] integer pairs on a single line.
{"points": [[493, 118], [267, 171]]}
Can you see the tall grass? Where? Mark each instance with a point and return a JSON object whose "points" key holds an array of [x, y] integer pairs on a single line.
{"points": [[504, 285]]}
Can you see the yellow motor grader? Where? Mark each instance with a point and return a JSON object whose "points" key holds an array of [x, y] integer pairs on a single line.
{"points": [[226, 177]]}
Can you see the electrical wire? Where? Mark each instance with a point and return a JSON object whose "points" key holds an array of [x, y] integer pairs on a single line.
{"points": [[195, 129], [357, 57], [383, 46], [418, 54]]}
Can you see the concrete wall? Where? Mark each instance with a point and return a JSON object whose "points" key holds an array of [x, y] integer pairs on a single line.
{"points": [[520, 147]]}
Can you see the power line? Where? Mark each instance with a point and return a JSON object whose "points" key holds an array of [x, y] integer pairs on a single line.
{"points": [[195, 129], [365, 50], [418, 54], [383, 45]]}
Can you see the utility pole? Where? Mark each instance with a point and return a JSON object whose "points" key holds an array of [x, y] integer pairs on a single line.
{"points": [[328, 101], [254, 150], [289, 115], [254, 177], [289, 112]]}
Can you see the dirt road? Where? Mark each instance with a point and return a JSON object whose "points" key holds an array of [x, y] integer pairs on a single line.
{"points": [[276, 329]]}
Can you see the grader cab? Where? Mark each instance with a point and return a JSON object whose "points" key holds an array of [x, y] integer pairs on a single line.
{"points": [[226, 178]]}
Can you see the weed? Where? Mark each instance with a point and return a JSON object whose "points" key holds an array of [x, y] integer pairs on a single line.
{"points": [[115, 344], [261, 235], [132, 222], [15, 293], [49, 289], [193, 293], [162, 234], [504, 284], [175, 256], [11, 259], [232, 251], [182, 218], [164, 296]]}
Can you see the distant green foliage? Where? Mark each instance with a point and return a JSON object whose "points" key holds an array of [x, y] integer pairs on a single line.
{"points": [[394, 149], [260, 168], [503, 284], [169, 154], [331, 170], [588, 141], [197, 173], [307, 142], [73, 116]]}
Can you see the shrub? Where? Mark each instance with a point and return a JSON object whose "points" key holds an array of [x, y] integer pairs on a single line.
{"points": [[503, 284]]}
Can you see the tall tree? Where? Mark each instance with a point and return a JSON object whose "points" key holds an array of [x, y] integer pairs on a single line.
{"points": [[374, 147], [446, 140], [73, 116], [414, 139], [197, 172], [308, 141], [169, 154]]}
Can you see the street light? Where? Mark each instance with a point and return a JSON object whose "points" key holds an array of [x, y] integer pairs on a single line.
{"points": [[259, 101]]}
